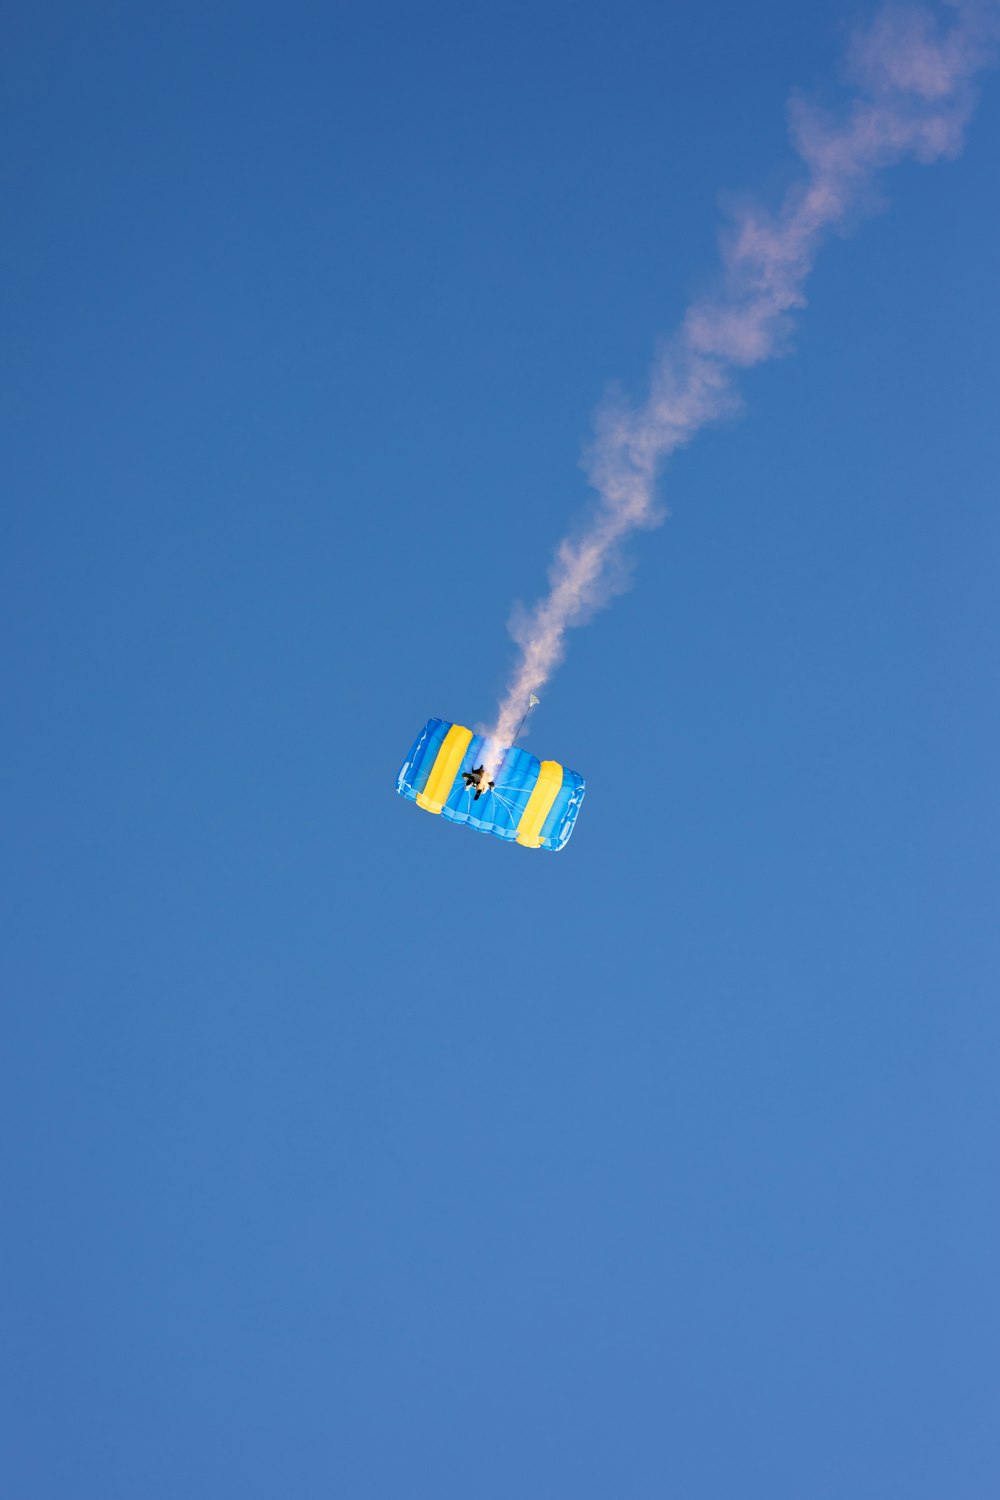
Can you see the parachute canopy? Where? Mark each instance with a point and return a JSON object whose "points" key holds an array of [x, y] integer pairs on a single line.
{"points": [[532, 802]]}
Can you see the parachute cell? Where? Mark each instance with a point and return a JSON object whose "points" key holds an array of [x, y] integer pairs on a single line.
{"points": [[533, 803]]}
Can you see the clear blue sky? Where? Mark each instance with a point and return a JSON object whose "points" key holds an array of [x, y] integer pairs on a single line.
{"points": [[345, 1153]]}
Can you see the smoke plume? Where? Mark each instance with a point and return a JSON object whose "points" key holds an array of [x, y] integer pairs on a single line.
{"points": [[911, 76]]}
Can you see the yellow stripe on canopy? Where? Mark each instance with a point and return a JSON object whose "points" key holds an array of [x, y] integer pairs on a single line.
{"points": [[546, 790], [445, 769]]}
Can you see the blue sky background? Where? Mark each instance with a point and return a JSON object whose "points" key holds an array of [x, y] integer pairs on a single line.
{"points": [[345, 1152]]}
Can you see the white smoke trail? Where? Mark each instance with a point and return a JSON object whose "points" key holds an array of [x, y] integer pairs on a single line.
{"points": [[912, 75]]}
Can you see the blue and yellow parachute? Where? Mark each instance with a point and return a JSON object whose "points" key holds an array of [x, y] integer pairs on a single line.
{"points": [[533, 803]]}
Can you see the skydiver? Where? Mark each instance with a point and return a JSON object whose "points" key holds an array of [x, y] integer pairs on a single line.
{"points": [[477, 778]]}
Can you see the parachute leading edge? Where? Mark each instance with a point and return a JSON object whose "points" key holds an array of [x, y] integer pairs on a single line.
{"points": [[533, 803]]}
